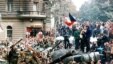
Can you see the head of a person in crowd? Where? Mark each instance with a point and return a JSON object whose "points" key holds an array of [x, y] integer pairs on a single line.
{"points": [[111, 41], [106, 44], [87, 27], [14, 48], [84, 27], [111, 44], [103, 24], [21, 49], [74, 27], [97, 26]]}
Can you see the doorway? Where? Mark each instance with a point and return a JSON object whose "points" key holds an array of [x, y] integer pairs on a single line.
{"points": [[33, 31]]}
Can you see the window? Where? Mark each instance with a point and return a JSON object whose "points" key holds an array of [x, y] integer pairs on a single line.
{"points": [[9, 31], [9, 5], [35, 7]]}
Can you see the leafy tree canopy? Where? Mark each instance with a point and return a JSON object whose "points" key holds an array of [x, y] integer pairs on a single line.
{"points": [[97, 10]]}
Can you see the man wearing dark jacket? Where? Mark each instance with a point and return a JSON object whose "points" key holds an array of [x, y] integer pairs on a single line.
{"points": [[66, 35], [88, 35], [85, 41], [12, 57]]}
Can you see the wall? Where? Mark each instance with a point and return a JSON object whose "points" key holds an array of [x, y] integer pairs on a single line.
{"points": [[18, 26]]}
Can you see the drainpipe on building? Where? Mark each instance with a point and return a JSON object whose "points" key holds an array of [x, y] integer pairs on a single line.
{"points": [[44, 23], [1, 29]]}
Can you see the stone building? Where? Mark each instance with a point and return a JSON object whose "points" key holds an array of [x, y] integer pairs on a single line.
{"points": [[21, 16]]}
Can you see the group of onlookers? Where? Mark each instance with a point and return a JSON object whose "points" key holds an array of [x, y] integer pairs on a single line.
{"points": [[90, 37]]}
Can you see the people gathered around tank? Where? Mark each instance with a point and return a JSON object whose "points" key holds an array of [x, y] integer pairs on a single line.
{"points": [[86, 37]]}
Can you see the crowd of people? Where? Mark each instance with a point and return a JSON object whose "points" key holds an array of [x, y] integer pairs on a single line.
{"points": [[88, 37], [28, 50]]}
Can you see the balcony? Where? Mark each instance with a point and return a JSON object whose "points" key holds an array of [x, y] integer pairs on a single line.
{"points": [[31, 14], [9, 14]]}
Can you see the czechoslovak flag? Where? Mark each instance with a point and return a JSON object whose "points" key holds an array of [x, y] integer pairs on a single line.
{"points": [[72, 19], [69, 21]]}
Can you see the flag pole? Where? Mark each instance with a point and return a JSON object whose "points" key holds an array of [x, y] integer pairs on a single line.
{"points": [[55, 30]]}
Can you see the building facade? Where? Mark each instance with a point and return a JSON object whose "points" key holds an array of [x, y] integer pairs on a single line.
{"points": [[20, 17]]}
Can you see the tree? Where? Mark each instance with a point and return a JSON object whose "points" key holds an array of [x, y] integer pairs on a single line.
{"points": [[97, 10]]}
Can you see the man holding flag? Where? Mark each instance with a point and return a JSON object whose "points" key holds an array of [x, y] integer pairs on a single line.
{"points": [[66, 31]]}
